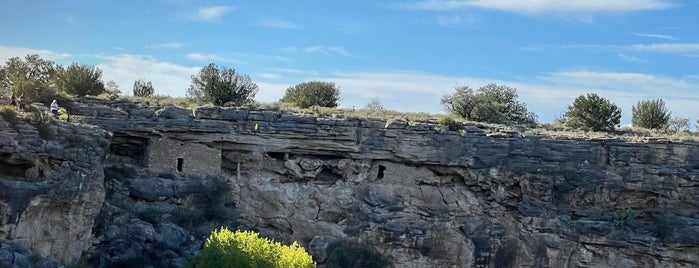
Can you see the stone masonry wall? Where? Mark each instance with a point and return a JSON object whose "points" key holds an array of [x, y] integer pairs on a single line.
{"points": [[182, 157]]}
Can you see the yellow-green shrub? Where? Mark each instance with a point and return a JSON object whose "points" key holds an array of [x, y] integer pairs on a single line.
{"points": [[224, 248]]}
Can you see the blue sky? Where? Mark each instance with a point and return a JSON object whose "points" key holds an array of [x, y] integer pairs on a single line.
{"points": [[407, 53]]}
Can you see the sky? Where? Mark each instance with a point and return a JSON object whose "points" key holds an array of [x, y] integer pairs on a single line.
{"points": [[406, 53]]}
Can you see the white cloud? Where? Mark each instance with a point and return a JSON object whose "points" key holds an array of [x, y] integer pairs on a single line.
{"points": [[329, 50], [630, 58], [167, 78], [168, 45], [543, 6], [454, 20], [203, 57], [278, 24], [667, 47], [212, 14], [9, 52], [658, 36]]}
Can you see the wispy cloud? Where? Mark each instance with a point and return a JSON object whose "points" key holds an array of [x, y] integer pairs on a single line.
{"points": [[658, 36], [542, 6], [168, 45], [212, 14], [630, 58], [203, 57], [329, 50], [454, 20], [9, 52], [667, 47], [278, 24], [167, 78]]}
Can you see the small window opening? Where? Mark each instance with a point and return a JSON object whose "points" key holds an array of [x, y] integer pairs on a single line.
{"points": [[180, 163], [381, 170]]}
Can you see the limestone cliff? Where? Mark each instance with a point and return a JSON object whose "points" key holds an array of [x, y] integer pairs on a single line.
{"points": [[51, 187], [430, 197]]}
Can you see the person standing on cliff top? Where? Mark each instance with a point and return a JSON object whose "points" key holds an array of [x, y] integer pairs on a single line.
{"points": [[54, 108]]}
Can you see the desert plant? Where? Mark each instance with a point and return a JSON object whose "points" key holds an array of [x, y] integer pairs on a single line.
{"points": [[222, 86], [225, 248], [677, 124], [8, 114], [623, 219], [121, 172], [451, 123], [592, 112], [218, 204], [143, 89], [491, 103], [81, 80], [42, 121], [355, 255], [650, 114], [374, 105], [314, 93]]}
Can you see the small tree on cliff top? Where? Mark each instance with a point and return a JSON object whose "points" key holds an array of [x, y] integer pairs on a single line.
{"points": [[593, 113], [491, 103], [314, 93], [222, 86]]}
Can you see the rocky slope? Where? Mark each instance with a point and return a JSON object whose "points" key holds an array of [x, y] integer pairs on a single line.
{"points": [[427, 196], [485, 196], [51, 186]]}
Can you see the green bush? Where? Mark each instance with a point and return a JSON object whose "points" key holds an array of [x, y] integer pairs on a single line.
{"points": [[491, 103], [650, 114], [451, 123], [81, 80], [314, 93], [143, 89], [623, 219], [218, 206], [355, 255], [593, 113], [119, 172], [222, 86], [224, 248], [42, 121], [8, 114]]}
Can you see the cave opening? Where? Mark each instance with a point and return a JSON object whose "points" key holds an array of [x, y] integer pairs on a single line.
{"points": [[381, 171]]}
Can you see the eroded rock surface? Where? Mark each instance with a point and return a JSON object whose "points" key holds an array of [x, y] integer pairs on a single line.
{"points": [[51, 188]]}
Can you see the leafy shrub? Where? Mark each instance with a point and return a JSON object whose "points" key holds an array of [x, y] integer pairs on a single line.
{"points": [[187, 219], [219, 203], [119, 172], [623, 219], [451, 123], [130, 262], [42, 121], [222, 86], [593, 113], [650, 114], [8, 114], [314, 93], [81, 80], [356, 255], [142, 88], [224, 248], [491, 103]]}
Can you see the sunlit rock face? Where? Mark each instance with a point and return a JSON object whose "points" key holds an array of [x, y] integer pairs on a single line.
{"points": [[51, 186], [484, 196]]}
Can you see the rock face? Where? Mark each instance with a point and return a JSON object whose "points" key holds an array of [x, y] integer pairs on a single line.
{"points": [[485, 196], [51, 188], [429, 197]]}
